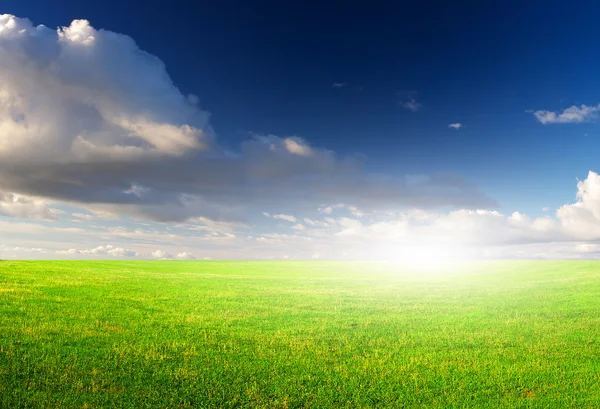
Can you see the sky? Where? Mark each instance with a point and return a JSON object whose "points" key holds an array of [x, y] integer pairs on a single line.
{"points": [[257, 130]]}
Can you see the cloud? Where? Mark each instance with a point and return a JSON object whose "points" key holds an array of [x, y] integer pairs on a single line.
{"points": [[411, 104], [297, 146], [572, 232], [83, 216], [576, 222], [121, 140], [14, 205], [128, 108], [574, 114], [355, 211], [162, 255], [110, 250], [185, 256], [315, 223], [326, 209], [456, 126], [105, 250], [582, 218], [69, 252], [285, 217], [339, 84]]}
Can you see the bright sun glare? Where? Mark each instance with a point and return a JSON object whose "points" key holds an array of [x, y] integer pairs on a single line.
{"points": [[426, 257]]}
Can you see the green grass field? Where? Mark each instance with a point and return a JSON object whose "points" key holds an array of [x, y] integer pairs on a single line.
{"points": [[299, 335]]}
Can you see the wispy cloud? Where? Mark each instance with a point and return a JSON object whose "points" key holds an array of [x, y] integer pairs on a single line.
{"points": [[83, 216], [339, 84], [457, 125], [285, 217], [411, 104], [571, 115]]}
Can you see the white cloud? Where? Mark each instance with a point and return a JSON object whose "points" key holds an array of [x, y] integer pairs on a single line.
{"points": [[79, 32], [298, 226], [411, 104], [582, 218], [456, 126], [355, 211], [326, 209], [121, 252], [105, 250], [162, 255], [110, 250], [83, 216], [69, 252], [573, 114], [339, 84], [572, 233], [14, 205], [297, 146], [101, 102], [315, 223], [185, 256], [286, 217]]}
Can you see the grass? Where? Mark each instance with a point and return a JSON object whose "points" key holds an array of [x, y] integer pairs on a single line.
{"points": [[299, 335]]}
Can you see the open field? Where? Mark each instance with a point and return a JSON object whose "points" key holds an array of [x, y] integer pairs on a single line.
{"points": [[299, 335]]}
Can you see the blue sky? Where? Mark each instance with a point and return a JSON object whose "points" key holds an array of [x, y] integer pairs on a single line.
{"points": [[381, 82]]}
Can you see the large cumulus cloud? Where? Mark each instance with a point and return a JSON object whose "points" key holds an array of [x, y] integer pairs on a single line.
{"points": [[88, 117]]}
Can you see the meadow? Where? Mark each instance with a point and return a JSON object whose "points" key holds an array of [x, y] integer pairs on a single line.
{"points": [[79, 334]]}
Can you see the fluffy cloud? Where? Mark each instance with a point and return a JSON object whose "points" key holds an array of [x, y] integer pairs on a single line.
{"points": [[162, 255], [120, 139], [582, 218], [185, 256], [111, 251], [456, 126], [574, 114], [127, 108]]}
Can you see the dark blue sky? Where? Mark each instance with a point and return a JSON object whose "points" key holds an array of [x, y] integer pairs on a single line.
{"points": [[268, 67]]}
